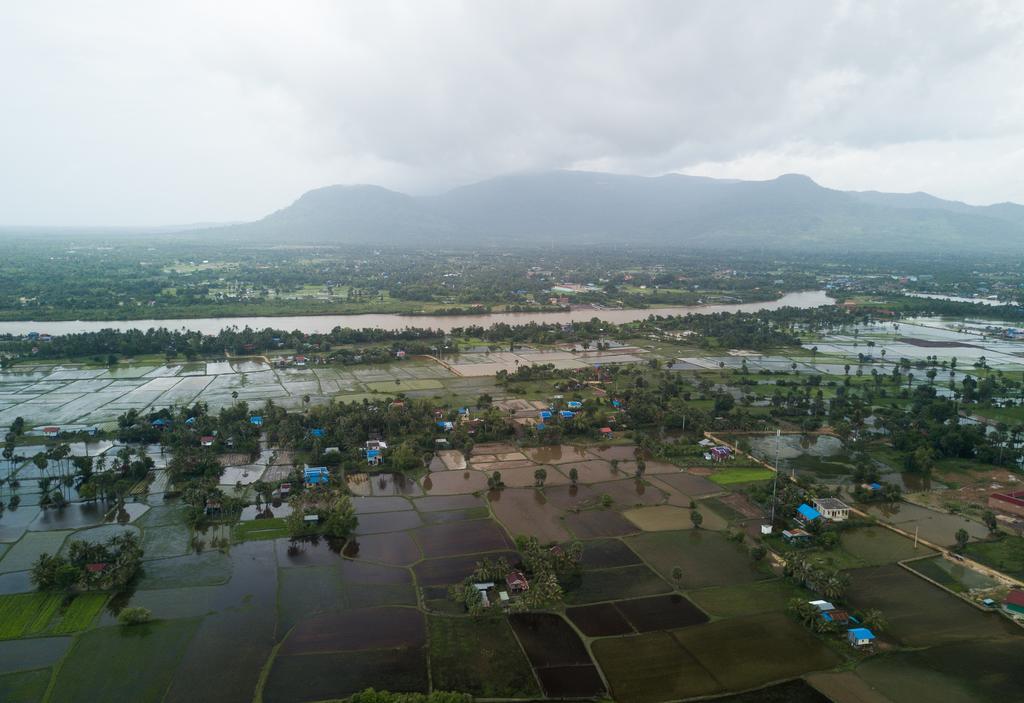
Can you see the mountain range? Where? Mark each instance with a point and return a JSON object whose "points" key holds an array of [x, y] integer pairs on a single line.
{"points": [[790, 212]]}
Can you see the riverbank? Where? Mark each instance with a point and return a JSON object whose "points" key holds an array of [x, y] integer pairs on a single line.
{"points": [[321, 323]]}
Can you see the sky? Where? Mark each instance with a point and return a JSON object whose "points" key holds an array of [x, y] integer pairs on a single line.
{"points": [[147, 113]]}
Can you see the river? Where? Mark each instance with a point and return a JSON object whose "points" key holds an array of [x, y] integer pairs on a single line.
{"points": [[391, 321]]}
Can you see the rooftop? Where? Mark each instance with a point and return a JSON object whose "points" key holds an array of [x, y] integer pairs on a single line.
{"points": [[830, 504]]}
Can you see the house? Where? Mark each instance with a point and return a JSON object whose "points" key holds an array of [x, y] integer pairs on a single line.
{"points": [[574, 404], [95, 567], [873, 487], [300, 360], [441, 443], [1010, 502], [822, 605], [482, 589], [720, 453], [375, 444], [446, 426], [190, 421], [796, 536], [1014, 602], [206, 440], [606, 432], [832, 508], [161, 423], [861, 637], [516, 582], [284, 490], [805, 514], [373, 457], [838, 616], [315, 475], [567, 414], [316, 432], [400, 354], [51, 431], [706, 442], [545, 414], [256, 420], [213, 507]]}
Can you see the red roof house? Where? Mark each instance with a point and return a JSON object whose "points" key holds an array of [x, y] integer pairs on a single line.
{"points": [[516, 581]]}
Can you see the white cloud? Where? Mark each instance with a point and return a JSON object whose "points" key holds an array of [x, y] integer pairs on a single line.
{"points": [[147, 112]]}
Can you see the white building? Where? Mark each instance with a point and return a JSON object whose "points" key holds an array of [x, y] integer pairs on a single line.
{"points": [[832, 508]]}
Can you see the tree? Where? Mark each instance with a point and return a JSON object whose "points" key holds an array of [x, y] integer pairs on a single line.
{"points": [[696, 518], [574, 476], [539, 476], [962, 538], [677, 574], [758, 552], [875, 620], [989, 518], [641, 467]]}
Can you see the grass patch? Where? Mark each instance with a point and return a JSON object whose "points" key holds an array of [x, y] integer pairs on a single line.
{"points": [[478, 656], [80, 613], [706, 558], [123, 663], [612, 584], [746, 599], [1006, 555], [24, 686], [729, 477], [411, 384], [254, 530], [26, 614]]}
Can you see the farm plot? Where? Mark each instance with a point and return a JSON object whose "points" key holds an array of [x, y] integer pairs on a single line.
{"points": [[920, 614], [480, 657], [123, 664], [611, 584], [590, 524], [525, 511], [705, 558]]}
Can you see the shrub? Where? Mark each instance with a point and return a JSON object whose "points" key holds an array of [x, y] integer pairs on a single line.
{"points": [[134, 616]]}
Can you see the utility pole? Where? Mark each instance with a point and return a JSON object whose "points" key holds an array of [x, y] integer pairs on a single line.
{"points": [[775, 483]]}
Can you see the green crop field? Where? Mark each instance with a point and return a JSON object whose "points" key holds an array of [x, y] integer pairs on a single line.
{"points": [[26, 613], [80, 613]]}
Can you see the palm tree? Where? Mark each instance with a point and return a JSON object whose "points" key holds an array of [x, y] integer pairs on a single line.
{"points": [[835, 585], [875, 620]]}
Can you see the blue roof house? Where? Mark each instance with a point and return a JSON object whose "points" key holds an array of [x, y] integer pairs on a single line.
{"points": [[574, 404], [545, 414], [446, 426], [190, 421], [860, 637], [373, 457], [806, 514], [567, 414], [256, 420], [315, 475], [316, 432]]}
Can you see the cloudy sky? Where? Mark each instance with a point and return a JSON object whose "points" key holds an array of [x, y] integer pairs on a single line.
{"points": [[142, 112]]}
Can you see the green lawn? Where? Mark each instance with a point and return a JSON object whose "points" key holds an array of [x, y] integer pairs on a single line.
{"points": [[270, 528], [1006, 555], [741, 475]]}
